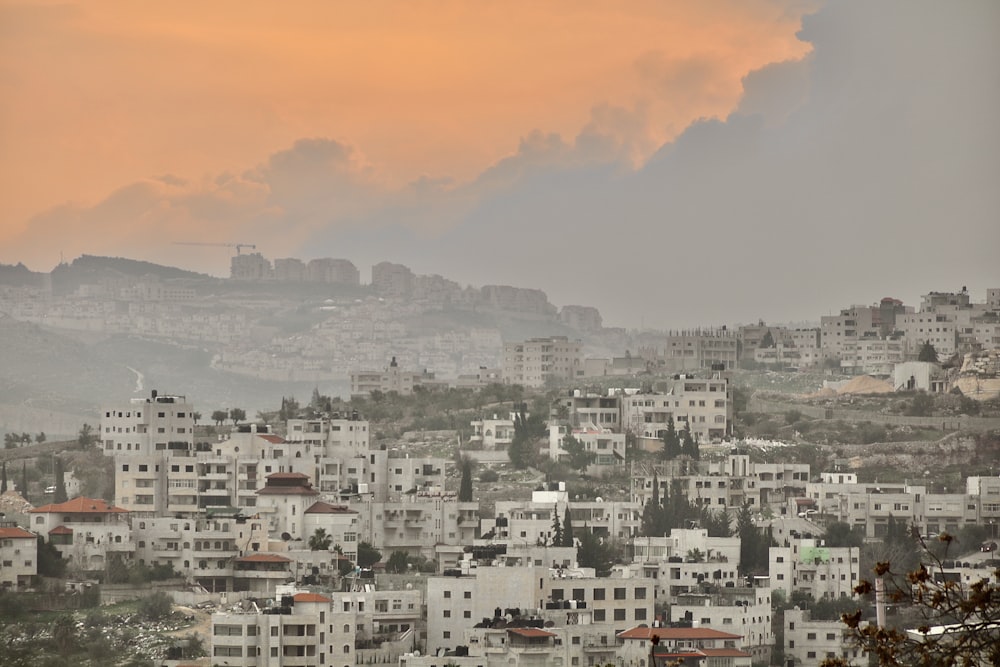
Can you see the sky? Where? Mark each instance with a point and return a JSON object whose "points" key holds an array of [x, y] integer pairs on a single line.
{"points": [[674, 163]]}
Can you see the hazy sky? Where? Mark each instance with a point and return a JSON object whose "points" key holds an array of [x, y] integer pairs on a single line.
{"points": [[672, 163]]}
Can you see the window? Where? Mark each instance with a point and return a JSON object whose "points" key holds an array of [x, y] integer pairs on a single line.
{"points": [[447, 594], [640, 594], [447, 613], [619, 614], [640, 614], [467, 595], [599, 615], [598, 593], [619, 593]]}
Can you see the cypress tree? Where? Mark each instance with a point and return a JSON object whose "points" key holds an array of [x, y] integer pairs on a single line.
{"points": [[3, 480], [60, 496], [24, 481], [567, 529]]}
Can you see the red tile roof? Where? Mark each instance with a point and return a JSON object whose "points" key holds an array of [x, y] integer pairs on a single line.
{"points": [[287, 475], [288, 491], [530, 632], [273, 439], [263, 558], [310, 597], [671, 634], [80, 505], [61, 530], [16, 533], [725, 653], [320, 507]]}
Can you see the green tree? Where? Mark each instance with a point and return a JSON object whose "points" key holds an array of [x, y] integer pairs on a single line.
{"points": [[689, 444], [64, 634], [23, 488], [50, 561], [40, 438], [671, 441], [922, 405], [840, 534], [767, 341], [237, 415], [522, 451], [577, 455], [367, 555], [156, 606], [466, 465], [219, 416], [320, 540], [568, 538], [60, 496], [3, 480], [594, 552], [557, 531], [398, 562], [86, 437], [754, 543], [927, 353], [11, 440]]}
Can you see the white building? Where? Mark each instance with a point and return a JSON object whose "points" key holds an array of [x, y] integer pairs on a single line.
{"points": [[537, 361], [18, 557]]}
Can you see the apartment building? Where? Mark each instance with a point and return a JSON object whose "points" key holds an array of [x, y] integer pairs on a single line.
{"points": [[807, 565], [533, 521], [18, 557], [456, 603], [158, 425], [696, 349], [602, 411], [252, 266], [687, 561], [300, 630], [809, 642], [391, 378], [202, 549], [392, 280], [538, 361], [872, 356], [849, 326], [84, 530], [607, 446], [685, 645], [418, 524], [704, 405], [742, 609], [492, 433], [332, 271]]}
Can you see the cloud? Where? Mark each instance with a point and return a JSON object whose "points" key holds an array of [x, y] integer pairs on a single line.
{"points": [[864, 169]]}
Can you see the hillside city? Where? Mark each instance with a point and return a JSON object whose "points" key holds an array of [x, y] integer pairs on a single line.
{"points": [[429, 474]]}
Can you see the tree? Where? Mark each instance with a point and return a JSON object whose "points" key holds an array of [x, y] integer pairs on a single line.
{"points": [[398, 562], [219, 416], [319, 540], [651, 511], [50, 561], [237, 415], [86, 438], [465, 488], [367, 555], [927, 353], [11, 440], [64, 634], [3, 480], [196, 417], [557, 531], [955, 621], [593, 552], [921, 406], [568, 538], [60, 496], [767, 341], [23, 488], [522, 446], [754, 542], [156, 606], [671, 441], [840, 534], [577, 455], [689, 444], [40, 438]]}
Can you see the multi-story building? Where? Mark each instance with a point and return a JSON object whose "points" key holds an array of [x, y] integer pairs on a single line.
{"points": [[685, 645], [704, 405], [495, 433], [602, 411], [18, 557], [872, 356], [393, 280], [698, 349], [687, 561], [252, 266], [336, 271], [417, 524], [807, 565], [289, 269], [808, 642], [848, 327], [538, 361], [202, 548], [300, 630], [85, 530], [533, 521], [607, 446], [391, 378]]}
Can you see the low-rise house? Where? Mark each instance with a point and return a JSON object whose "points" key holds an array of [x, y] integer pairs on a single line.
{"points": [[18, 557], [85, 530]]}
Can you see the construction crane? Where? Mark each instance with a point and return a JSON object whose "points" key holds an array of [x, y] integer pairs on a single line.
{"points": [[239, 246]]}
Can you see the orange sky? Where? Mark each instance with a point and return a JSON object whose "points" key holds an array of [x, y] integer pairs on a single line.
{"points": [[99, 94]]}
